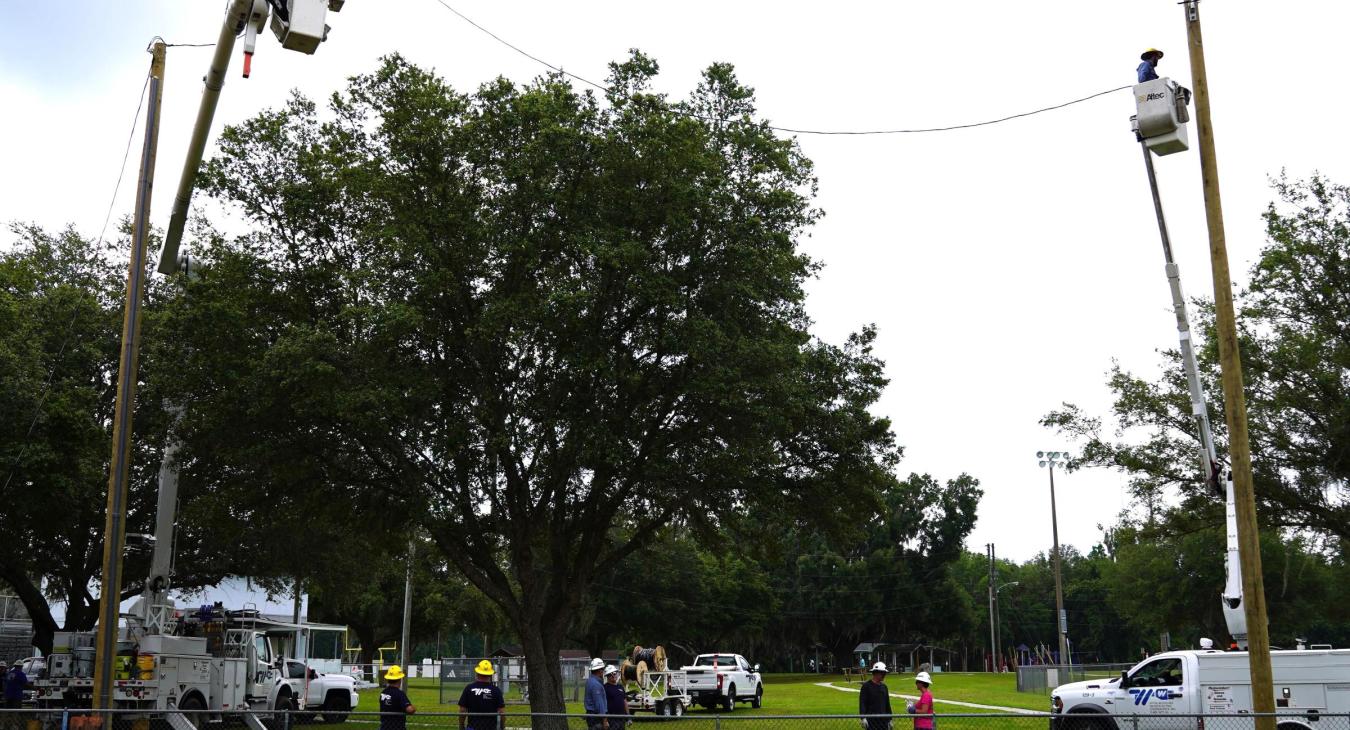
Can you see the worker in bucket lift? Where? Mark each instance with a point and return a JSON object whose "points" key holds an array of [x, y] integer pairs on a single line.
{"points": [[1148, 70]]}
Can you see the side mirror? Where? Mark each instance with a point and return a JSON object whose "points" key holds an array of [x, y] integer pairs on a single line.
{"points": [[756, 669], [1124, 679]]}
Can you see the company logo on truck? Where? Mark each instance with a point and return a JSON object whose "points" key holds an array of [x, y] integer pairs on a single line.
{"points": [[1142, 696]]}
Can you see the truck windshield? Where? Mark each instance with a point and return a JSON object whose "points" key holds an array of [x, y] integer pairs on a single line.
{"points": [[721, 660]]}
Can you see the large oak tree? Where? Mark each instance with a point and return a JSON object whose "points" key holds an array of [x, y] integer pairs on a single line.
{"points": [[538, 325]]}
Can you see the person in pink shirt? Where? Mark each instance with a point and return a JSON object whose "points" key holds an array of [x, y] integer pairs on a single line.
{"points": [[924, 707]]}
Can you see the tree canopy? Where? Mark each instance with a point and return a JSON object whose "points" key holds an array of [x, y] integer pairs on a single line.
{"points": [[539, 327], [1294, 338]]}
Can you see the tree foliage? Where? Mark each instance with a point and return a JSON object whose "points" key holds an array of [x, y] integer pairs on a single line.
{"points": [[540, 327], [1295, 347]]}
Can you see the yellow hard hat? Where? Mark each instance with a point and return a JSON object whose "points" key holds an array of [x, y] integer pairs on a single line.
{"points": [[1144, 56], [484, 668], [394, 673]]}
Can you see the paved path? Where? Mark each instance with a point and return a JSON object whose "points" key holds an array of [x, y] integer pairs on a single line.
{"points": [[1013, 710]]}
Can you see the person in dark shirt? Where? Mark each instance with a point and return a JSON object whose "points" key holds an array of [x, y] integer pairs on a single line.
{"points": [[394, 704], [616, 700], [875, 699], [481, 704], [1148, 70], [15, 683]]}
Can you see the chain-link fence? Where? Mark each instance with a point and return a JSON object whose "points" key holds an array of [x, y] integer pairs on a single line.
{"points": [[1041, 678], [455, 674], [29, 719]]}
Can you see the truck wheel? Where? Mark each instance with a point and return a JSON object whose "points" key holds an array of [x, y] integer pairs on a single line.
{"points": [[758, 701], [1088, 721], [677, 708], [729, 701], [192, 706], [335, 710], [662, 708], [285, 706]]}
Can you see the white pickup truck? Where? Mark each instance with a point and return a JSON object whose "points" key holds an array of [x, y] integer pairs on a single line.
{"points": [[722, 680], [332, 696], [1168, 691]]}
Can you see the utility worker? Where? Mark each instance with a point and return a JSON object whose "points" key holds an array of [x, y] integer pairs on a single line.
{"points": [[394, 703], [595, 702], [875, 699], [481, 699], [924, 706], [15, 683], [1148, 70], [615, 699]]}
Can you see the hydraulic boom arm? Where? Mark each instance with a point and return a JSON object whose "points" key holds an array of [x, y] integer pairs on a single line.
{"points": [[1233, 613]]}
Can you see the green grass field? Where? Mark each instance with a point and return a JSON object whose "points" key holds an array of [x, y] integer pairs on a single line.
{"points": [[800, 694]]}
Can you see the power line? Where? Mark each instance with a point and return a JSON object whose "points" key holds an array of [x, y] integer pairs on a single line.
{"points": [[791, 130], [954, 126], [65, 340]]}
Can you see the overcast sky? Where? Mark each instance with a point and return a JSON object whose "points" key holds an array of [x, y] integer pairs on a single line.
{"points": [[1005, 266]]}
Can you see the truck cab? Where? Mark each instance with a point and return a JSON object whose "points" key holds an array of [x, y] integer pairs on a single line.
{"points": [[1168, 691]]}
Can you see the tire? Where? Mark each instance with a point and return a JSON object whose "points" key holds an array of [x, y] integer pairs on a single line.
{"points": [[758, 701], [285, 704], [1088, 721], [194, 702], [677, 708], [729, 701], [335, 709], [662, 708]]}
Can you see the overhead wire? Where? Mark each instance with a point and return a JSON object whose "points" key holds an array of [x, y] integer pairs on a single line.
{"points": [[790, 130]]}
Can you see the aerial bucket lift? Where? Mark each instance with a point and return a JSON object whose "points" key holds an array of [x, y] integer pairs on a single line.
{"points": [[1160, 126]]}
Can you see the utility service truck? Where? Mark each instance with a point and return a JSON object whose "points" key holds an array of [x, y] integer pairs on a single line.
{"points": [[204, 659], [1170, 690]]}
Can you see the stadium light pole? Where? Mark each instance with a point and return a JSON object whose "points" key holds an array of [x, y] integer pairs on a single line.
{"points": [[1049, 460]]}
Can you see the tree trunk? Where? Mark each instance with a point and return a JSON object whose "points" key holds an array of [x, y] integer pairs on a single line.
{"points": [[544, 670], [39, 612], [366, 635]]}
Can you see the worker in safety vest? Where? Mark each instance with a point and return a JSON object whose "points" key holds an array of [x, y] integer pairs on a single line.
{"points": [[1148, 70]]}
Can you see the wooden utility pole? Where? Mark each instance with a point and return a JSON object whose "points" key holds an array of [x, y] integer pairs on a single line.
{"points": [[1235, 405], [115, 527]]}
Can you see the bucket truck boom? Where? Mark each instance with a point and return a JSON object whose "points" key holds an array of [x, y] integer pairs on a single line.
{"points": [[1212, 468]]}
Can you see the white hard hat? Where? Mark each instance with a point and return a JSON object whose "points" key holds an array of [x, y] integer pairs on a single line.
{"points": [[880, 667], [597, 664], [611, 669], [923, 677]]}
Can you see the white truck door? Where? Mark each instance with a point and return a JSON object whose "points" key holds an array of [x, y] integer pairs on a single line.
{"points": [[1158, 695]]}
